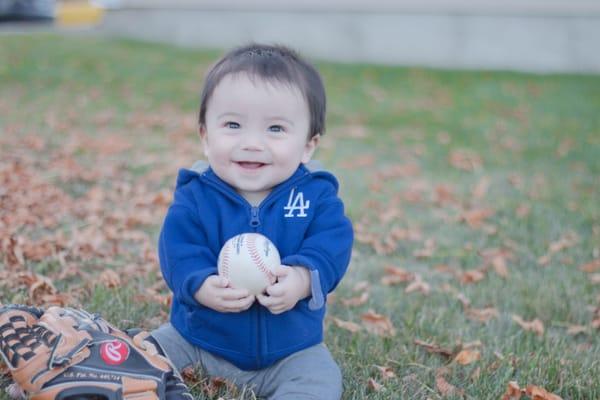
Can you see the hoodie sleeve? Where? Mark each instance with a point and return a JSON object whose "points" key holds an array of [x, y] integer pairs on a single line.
{"points": [[326, 248], [185, 258]]}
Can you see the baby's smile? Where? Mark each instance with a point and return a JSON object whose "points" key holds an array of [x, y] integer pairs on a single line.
{"points": [[250, 164]]}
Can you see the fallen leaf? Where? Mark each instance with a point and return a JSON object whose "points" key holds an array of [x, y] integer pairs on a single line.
{"points": [[592, 266], [595, 279], [570, 239], [378, 324], [475, 218], [418, 285], [499, 265], [513, 391], [356, 301], [535, 325], [361, 286], [467, 356], [465, 160], [544, 260], [481, 189], [538, 393], [445, 388], [395, 275], [373, 385], [347, 325], [434, 348], [472, 276], [110, 278], [481, 314], [386, 372], [523, 210], [577, 329]]}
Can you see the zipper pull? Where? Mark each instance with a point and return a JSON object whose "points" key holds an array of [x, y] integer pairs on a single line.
{"points": [[254, 220]]}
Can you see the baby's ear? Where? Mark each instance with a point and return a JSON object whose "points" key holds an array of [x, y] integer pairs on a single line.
{"points": [[203, 139], [310, 147]]}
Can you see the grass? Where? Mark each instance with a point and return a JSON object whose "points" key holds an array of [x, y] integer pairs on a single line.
{"points": [[83, 116]]}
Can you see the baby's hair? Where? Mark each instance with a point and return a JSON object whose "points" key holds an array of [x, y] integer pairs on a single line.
{"points": [[273, 63]]}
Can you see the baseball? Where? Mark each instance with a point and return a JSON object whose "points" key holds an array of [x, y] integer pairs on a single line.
{"points": [[247, 261]]}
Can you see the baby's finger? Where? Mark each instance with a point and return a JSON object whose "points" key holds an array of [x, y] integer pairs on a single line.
{"points": [[275, 290], [267, 301], [239, 304], [280, 270], [235, 294]]}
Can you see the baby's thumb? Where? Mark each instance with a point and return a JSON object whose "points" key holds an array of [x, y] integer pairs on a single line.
{"points": [[280, 270], [222, 282]]}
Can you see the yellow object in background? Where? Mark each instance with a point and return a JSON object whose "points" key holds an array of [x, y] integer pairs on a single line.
{"points": [[72, 13]]}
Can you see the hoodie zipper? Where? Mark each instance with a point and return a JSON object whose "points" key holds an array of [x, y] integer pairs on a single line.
{"points": [[254, 210], [255, 223], [254, 218]]}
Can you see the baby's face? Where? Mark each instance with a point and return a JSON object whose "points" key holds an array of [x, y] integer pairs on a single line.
{"points": [[256, 134]]}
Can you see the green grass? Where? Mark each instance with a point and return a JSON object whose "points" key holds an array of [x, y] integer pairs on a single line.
{"points": [[534, 138]]}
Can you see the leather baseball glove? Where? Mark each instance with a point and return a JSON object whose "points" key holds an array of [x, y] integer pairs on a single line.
{"points": [[69, 354]]}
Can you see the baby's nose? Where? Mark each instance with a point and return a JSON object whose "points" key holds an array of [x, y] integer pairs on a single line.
{"points": [[253, 141]]}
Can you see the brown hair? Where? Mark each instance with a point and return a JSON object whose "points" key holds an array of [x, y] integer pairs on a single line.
{"points": [[272, 63]]}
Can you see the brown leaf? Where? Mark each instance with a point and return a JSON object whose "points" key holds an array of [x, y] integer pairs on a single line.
{"points": [[538, 393], [378, 324], [544, 260], [476, 217], [465, 160], [356, 301], [570, 239], [418, 285], [535, 325], [347, 325], [386, 372], [40, 288], [395, 275], [434, 348], [592, 266], [523, 210], [361, 286], [480, 190], [467, 356], [499, 265], [110, 278], [595, 279], [445, 388], [481, 314], [577, 329], [472, 276], [513, 391], [444, 195], [373, 385]]}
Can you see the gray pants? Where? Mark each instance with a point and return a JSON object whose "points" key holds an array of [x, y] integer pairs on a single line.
{"points": [[308, 374]]}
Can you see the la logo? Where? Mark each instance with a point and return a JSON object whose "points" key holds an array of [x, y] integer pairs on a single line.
{"points": [[296, 203]]}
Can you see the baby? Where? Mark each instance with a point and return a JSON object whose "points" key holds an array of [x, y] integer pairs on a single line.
{"points": [[262, 114]]}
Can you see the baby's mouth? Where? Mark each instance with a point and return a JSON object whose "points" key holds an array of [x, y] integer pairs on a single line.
{"points": [[250, 164]]}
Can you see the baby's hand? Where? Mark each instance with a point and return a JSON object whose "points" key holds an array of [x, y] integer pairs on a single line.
{"points": [[215, 293], [293, 285]]}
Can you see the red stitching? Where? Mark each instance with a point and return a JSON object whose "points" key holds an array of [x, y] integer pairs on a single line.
{"points": [[225, 261], [257, 258]]}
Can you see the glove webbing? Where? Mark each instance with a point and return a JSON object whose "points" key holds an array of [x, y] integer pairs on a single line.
{"points": [[15, 335]]}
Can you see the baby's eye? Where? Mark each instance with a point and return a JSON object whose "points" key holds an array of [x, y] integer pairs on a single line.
{"points": [[276, 128], [232, 125]]}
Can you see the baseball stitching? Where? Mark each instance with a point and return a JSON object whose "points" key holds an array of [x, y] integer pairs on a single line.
{"points": [[258, 259], [225, 262]]}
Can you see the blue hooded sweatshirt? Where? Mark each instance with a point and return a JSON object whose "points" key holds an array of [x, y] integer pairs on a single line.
{"points": [[302, 216]]}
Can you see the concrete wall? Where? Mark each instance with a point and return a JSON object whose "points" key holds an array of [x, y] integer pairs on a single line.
{"points": [[550, 36]]}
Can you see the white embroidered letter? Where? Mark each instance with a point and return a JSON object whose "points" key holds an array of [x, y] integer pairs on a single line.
{"points": [[296, 204]]}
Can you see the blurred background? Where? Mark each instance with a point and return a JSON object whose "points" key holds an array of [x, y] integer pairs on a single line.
{"points": [[521, 35]]}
